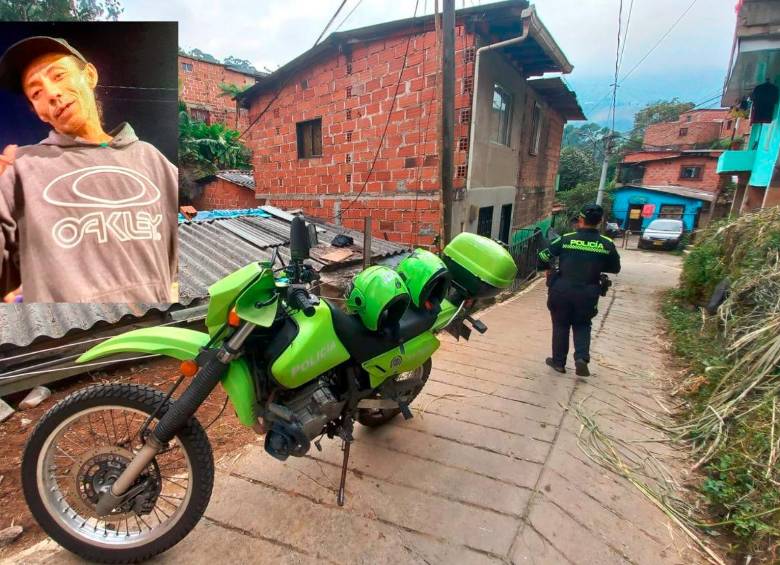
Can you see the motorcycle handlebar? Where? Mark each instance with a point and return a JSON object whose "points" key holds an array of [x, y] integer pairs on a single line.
{"points": [[299, 299]]}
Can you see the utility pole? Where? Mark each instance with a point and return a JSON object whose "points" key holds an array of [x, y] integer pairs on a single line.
{"points": [[604, 167], [447, 115]]}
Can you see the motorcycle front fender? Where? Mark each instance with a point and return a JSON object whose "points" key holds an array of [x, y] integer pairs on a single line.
{"points": [[183, 344], [178, 343]]}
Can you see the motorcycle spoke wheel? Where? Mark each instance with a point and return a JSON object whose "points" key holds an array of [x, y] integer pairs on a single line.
{"points": [[88, 452], [82, 445]]}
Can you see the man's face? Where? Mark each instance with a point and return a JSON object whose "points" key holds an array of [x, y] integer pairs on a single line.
{"points": [[61, 93]]}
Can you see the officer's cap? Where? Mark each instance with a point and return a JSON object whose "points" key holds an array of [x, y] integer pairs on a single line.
{"points": [[592, 213]]}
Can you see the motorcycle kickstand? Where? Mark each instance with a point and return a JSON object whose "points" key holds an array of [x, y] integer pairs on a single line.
{"points": [[345, 448]]}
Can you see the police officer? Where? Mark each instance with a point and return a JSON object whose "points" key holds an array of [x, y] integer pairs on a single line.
{"points": [[574, 287]]}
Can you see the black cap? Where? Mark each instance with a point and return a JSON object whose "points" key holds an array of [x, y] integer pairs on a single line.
{"points": [[19, 55], [592, 214]]}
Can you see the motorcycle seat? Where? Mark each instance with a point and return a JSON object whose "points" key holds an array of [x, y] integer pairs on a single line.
{"points": [[364, 344]]}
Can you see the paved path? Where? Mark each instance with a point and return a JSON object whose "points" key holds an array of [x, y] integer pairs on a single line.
{"points": [[488, 471]]}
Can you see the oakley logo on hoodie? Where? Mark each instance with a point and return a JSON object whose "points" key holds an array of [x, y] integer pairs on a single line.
{"points": [[123, 225], [82, 222]]}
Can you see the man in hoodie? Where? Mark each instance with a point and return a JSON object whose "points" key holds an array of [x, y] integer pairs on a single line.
{"points": [[85, 215]]}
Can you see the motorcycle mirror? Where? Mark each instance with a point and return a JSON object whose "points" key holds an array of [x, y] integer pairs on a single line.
{"points": [[299, 239]]}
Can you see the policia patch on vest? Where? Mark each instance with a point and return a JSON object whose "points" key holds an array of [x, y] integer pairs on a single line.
{"points": [[582, 255]]}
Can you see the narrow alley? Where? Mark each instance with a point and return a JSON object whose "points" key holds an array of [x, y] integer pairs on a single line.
{"points": [[489, 469]]}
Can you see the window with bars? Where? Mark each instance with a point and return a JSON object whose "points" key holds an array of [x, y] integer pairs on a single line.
{"points": [[468, 85], [349, 158], [349, 68], [349, 177], [186, 67], [461, 171], [485, 221], [501, 116], [683, 132], [463, 144], [309, 135], [349, 91], [305, 84], [349, 113], [465, 115], [690, 172], [200, 115], [469, 54], [349, 136]]}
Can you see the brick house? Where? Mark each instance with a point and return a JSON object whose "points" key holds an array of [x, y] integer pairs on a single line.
{"points": [[318, 120], [199, 82], [228, 190], [697, 129]]}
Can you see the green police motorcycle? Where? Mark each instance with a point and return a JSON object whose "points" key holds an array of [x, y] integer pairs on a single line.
{"points": [[118, 473]]}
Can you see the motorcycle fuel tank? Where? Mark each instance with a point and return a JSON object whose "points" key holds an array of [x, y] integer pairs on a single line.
{"points": [[305, 348]]}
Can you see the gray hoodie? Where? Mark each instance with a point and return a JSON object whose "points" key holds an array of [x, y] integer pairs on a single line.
{"points": [[87, 222]]}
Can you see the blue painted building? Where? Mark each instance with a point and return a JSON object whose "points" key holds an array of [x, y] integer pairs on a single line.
{"points": [[752, 86], [690, 205]]}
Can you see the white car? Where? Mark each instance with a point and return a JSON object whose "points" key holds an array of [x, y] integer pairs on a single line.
{"points": [[661, 234]]}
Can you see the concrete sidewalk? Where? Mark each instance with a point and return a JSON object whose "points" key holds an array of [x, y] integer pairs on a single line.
{"points": [[488, 471]]}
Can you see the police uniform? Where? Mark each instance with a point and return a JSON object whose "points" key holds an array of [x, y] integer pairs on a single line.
{"points": [[574, 289]]}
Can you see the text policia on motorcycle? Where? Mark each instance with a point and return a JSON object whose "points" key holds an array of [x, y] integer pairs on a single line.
{"points": [[295, 367]]}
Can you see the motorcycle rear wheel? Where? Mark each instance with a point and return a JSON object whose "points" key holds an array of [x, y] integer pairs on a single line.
{"points": [[82, 445], [375, 418]]}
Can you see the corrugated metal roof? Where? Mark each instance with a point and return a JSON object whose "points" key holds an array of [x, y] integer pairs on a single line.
{"points": [[208, 251], [241, 178], [677, 190]]}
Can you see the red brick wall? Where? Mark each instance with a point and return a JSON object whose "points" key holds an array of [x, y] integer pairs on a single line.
{"points": [[402, 193], [536, 176], [201, 88], [668, 134], [220, 194], [660, 173]]}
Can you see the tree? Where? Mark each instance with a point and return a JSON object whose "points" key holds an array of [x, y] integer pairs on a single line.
{"points": [[658, 112], [198, 54], [204, 149], [232, 90], [60, 10], [576, 166], [242, 64], [584, 193]]}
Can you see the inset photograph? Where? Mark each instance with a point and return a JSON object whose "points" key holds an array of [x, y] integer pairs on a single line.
{"points": [[88, 162]]}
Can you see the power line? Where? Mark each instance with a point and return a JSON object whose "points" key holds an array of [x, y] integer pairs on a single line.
{"points": [[625, 34], [617, 70], [330, 22], [352, 11], [653, 48], [387, 122], [283, 82]]}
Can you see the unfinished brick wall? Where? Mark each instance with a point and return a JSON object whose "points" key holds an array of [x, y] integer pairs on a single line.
{"points": [[200, 88], [667, 171], [682, 135], [220, 194], [352, 93], [536, 175], [696, 129]]}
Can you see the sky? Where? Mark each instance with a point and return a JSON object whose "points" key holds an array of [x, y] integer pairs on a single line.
{"points": [[690, 63]]}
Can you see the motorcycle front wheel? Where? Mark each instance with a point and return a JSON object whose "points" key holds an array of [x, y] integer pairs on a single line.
{"points": [[78, 450]]}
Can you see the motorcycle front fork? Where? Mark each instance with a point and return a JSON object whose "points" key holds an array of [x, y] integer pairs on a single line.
{"points": [[175, 418]]}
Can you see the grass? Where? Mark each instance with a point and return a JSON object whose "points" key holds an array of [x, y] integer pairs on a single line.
{"points": [[738, 457]]}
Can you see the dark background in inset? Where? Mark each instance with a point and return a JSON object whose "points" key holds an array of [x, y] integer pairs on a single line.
{"points": [[137, 79]]}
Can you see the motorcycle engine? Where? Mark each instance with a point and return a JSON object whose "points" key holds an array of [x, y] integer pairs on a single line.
{"points": [[299, 419]]}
